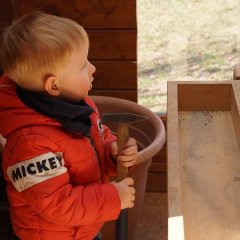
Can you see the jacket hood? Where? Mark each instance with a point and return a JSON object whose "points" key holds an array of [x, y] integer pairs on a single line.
{"points": [[14, 114]]}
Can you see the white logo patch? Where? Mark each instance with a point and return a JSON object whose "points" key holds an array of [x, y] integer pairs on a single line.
{"points": [[35, 170], [100, 127]]}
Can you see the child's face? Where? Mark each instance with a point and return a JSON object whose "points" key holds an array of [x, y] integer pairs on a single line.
{"points": [[75, 78]]}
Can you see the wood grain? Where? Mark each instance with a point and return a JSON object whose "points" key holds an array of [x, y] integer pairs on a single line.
{"points": [[115, 75], [205, 170], [125, 94], [175, 214], [210, 172], [157, 182], [91, 14], [115, 44], [5, 13], [198, 96]]}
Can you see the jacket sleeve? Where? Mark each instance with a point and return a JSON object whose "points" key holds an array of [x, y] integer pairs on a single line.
{"points": [[45, 186]]}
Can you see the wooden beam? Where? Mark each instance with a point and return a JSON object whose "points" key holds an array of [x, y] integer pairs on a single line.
{"points": [[125, 94], [92, 14], [115, 75], [198, 96], [113, 45], [5, 13], [175, 210]]}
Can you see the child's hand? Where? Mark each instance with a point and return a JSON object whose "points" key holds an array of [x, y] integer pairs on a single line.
{"points": [[126, 192], [128, 156]]}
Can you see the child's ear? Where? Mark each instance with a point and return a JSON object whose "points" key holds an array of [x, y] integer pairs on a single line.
{"points": [[51, 85]]}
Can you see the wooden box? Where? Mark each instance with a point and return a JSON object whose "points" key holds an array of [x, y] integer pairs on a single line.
{"points": [[203, 127]]}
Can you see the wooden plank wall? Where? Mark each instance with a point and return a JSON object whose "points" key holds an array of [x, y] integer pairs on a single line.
{"points": [[112, 30], [6, 14]]}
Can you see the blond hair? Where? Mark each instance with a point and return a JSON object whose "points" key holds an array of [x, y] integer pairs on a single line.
{"points": [[38, 44]]}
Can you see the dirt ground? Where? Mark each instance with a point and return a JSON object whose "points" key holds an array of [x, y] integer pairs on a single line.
{"points": [[153, 222]]}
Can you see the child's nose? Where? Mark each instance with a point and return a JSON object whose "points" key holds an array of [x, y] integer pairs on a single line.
{"points": [[93, 68]]}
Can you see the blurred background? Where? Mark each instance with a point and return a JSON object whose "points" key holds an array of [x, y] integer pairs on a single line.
{"points": [[184, 40]]}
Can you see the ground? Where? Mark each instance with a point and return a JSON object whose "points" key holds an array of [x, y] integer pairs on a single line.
{"points": [[184, 40], [153, 222]]}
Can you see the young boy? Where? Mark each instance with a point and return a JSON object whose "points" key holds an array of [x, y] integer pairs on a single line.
{"points": [[58, 156]]}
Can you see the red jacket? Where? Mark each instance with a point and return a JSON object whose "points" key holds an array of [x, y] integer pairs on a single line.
{"points": [[57, 184]]}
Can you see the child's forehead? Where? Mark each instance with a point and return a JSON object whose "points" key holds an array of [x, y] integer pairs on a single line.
{"points": [[79, 53], [82, 45], [83, 48]]}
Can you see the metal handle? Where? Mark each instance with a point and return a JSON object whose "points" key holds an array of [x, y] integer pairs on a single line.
{"points": [[122, 225]]}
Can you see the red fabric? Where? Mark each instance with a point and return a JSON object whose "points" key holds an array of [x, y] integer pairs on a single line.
{"points": [[73, 205]]}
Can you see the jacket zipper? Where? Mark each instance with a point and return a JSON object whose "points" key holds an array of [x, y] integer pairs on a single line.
{"points": [[95, 150]]}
